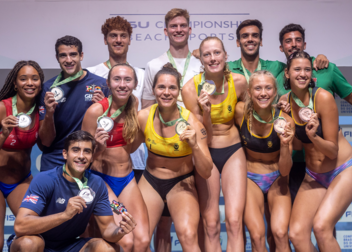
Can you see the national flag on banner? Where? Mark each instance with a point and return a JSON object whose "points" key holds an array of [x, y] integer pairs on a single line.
{"points": [[31, 198], [41, 109]]}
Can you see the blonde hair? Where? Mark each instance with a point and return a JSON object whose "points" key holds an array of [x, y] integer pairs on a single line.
{"points": [[131, 125], [227, 71], [248, 104], [175, 12]]}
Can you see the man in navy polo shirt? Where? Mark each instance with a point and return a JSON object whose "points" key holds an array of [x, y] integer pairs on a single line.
{"points": [[65, 99], [59, 203]]}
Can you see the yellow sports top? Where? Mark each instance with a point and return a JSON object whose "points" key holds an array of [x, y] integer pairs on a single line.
{"points": [[224, 111], [170, 147]]}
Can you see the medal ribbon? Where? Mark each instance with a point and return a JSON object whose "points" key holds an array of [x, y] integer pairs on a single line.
{"points": [[300, 103], [171, 59], [78, 181], [109, 64], [117, 112], [14, 108], [259, 67], [173, 122], [200, 85], [256, 116], [57, 81]]}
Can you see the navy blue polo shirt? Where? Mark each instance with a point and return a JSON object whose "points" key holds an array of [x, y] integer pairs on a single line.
{"points": [[69, 113], [49, 193]]}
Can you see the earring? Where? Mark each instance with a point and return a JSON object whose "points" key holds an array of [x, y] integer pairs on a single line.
{"points": [[15, 88]]}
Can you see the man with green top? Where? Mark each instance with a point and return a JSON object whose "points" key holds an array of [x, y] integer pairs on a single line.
{"points": [[249, 39], [65, 99], [292, 39]]}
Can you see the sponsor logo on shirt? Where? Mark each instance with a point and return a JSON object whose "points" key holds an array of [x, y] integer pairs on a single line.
{"points": [[31, 198], [88, 97], [176, 146], [270, 144], [92, 88], [60, 201], [41, 109]]}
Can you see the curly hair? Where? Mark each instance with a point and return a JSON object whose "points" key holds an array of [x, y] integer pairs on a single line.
{"points": [[8, 90], [116, 23]]}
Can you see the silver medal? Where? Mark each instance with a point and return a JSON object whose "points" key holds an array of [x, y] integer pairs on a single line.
{"points": [[279, 125], [305, 114], [58, 93], [87, 194], [106, 123], [24, 121], [209, 87], [181, 126]]}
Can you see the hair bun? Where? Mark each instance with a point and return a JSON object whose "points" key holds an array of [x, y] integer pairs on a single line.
{"points": [[170, 68]]}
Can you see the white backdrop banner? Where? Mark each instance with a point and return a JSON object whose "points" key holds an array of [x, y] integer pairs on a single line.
{"points": [[29, 29]]}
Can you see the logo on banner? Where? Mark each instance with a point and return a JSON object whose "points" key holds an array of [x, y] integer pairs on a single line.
{"points": [[31, 198]]}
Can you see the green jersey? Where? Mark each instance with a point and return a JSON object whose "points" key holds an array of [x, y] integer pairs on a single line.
{"points": [[330, 79], [275, 67]]}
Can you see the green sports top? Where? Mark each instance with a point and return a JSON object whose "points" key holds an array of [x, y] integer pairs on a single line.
{"points": [[275, 67]]}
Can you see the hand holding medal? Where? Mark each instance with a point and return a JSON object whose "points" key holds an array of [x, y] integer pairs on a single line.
{"points": [[106, 122], [287, 134], [306, 112], [279, 122], [204, 102], [312, 126], [58, 92], [8, 123], [24, 119], [189, 135], [85, 191]]}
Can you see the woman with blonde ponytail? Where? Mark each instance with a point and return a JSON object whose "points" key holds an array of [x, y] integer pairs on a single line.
{"points": [[113, 121], [267, 136]]}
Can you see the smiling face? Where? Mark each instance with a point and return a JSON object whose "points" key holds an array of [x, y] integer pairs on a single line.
{"points": [[166, 90], [118, 42], [300, 73], [178, 31], [69, 60], [292, 42], [213, 56], [249, 40], [28, 82], [121, 82], [262, 91], [78, 157]]}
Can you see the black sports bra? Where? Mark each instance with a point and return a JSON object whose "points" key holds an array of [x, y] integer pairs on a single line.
{"points": [[265, 144], [301, 128]]}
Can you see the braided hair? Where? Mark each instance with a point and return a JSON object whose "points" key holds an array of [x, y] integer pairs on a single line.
{"points": [[8, 90]]}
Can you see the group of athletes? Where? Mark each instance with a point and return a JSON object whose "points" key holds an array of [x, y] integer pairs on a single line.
{"points": [[264, 132]]}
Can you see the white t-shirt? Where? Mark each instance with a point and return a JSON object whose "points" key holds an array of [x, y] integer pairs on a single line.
{"points": [[156, 64], [138, 157]]}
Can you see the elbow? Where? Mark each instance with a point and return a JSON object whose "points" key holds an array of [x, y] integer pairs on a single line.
{"points": [[207, 172], [333, 154], [19, 230]]}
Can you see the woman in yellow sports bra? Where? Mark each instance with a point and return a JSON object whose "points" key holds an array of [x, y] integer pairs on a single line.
{"points": [[177, 142], [269, 161], [215, 107]]}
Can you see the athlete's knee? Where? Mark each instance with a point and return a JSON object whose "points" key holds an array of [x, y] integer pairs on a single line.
{"points": [[28, 244], [322, 229], [234, 224], [187, 235], [280, 234], [141, 243], [212, 227], [297, 235], [98, 244], [126, 243], [257, 239]]}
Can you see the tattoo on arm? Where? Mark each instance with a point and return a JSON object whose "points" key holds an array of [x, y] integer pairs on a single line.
{"points": [[203, 131]]}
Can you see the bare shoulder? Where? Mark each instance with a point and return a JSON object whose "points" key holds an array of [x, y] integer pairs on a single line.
{"points": [[288, 118], [284, 97], [189, 86], [2, 110], [96, 109], [324, 96], [144, 113], [238, 77]]}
